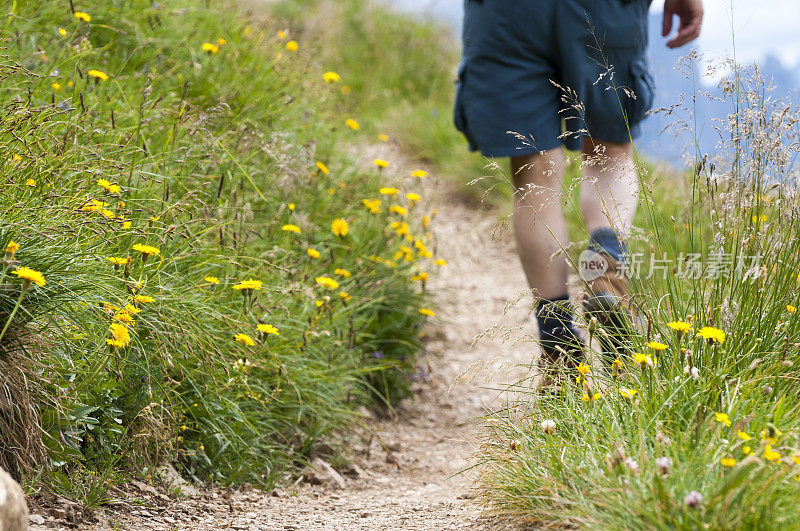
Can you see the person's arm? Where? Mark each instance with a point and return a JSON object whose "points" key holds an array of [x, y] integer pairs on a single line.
{"points": [[690, 13]]}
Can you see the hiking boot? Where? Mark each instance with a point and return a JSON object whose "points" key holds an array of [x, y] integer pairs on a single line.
{"points": [[608, 300]]}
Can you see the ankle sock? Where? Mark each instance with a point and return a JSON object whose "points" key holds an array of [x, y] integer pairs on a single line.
{"points": [[606, 240], [555, 320]]}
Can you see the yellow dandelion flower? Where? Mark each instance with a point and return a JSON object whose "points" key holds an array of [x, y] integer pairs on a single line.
{"points": [[248, 284], [373, 205], [728, 462], [291, 228], [244, 339], [397, 209], [26, 273], [383, 138], [339, 227], [291, 206], [413, 197], [221, 41], [796, 459], [655, 345], [31, 183], [427, 311], [210, 48], [422, 276], [628, 393], [107, 213], [56, 86], [110, 188], [327, 282], [401, 228], [144, 299], [281, 34], [583, 369], [746, 450], [770, 454], [268, 329], [344, 296], [80, 15], [62, 32], [440, 262], [595, 396], [712, 334], [331, 77], [771, 436], [313, 253], [642, 359], [743, 435], [679, 326], [211, 280], [342, 272], [380, 163], [102, 76], [123, 317], [118, 260], [388, 190], [352, 124], [321, 167], [723, 418], [11, 248], [292, 46], [791, 309], [120, 337], [617, 364], [146, 249], [419, 174]]}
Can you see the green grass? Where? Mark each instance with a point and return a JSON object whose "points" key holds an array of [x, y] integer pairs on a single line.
{"points": [[214, 154]]}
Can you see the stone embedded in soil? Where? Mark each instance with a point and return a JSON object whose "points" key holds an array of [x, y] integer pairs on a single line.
{"points": [[318, 472], [13, 508]]}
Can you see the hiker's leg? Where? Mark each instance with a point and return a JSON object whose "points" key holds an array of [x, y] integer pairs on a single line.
{"points": [[539, 225], [610, 191]]}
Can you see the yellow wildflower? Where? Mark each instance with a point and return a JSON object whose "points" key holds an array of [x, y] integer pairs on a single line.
{"points": [[56, 86], [422, 276], [120, 337], [397, 209], [93, 205], [83, 16], [723, 418], [426, 311], [102, 76], [321, 167], [118, 260], [617, 364], [380, 163], [146, 249], [413, 197], [728, 462], [655, 345], [248, 284], [331, 77], [291, 228], [373, 205], [327, 282], [790, 308], [796, 459], [643, 359], [211, 280], [352, 124], [401, 228], [26, 273], [387, 190], [244, 339], [344, 296], [587, 398], [383, 138], [292, 46], [268, 329], [679, 326], [771, 436], [11, 248], [440, 262], [770, 454], [342, 272], [62, 32], [210, 48], [743, 435], [712, 334], [746, 450], [419, 173], [123, 316], [313, 253], [628, 393], [281, 34], [583, 369], [110, 188], [144, 299], [339, 227]]}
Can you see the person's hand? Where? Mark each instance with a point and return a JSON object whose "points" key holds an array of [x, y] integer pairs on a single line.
{"points": [[690, 13]]}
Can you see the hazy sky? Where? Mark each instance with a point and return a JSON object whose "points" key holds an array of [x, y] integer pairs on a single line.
{"points": [[760, 27]]}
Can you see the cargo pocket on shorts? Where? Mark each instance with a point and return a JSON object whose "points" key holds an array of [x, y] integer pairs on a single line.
{"points": [[459, 113], [643, 89]]}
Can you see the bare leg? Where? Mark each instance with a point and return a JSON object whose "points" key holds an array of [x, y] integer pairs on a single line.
{"points": [[610, 191], [539, 224]]}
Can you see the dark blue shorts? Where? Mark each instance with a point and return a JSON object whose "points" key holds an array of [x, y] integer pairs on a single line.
{"points": [[537, 74]]}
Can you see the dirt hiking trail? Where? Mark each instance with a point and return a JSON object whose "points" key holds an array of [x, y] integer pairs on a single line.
{"points": [[411, 480]]}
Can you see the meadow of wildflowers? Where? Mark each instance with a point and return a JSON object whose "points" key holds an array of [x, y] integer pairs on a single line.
{"points": [[193, 266]]}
